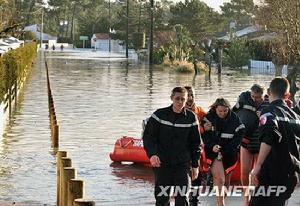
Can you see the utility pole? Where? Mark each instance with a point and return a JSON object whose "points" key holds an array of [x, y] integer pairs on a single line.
{"points": [[73, 34], [42, 28], [109, 46], [127, 26], [73, 23], [151, 32]]}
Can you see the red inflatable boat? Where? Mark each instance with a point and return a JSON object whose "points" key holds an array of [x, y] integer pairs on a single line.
{"points": [[129, 149]]}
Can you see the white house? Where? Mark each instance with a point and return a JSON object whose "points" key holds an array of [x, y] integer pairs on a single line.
{"points": [[100, 41], [36, 31], [242, 32]]}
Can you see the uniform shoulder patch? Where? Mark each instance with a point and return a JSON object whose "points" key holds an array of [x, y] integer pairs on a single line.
{"points": [[263, 118]]}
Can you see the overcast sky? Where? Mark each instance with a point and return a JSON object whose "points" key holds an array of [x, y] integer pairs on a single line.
{"points": [[215, 3], [211, 3]]}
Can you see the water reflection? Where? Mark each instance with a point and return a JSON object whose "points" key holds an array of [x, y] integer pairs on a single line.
{"points": [[131, 172]]}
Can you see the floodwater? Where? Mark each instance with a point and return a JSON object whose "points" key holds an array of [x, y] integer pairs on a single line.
{"points": [[97, 101]]}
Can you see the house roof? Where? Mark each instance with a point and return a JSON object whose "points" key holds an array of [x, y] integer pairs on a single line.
{"points": [[268, 36], [32, 28], [36, 31], [102, 36], [242, 32]]}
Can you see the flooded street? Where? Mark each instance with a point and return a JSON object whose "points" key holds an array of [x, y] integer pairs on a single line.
{"points": [[97, 101]]}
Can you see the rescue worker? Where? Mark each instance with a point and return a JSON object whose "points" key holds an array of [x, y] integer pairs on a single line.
{"points": [[200, 113], [278, 159], [190, 104], [247, 108], [172, 143], [222, 138], [296, 108]]}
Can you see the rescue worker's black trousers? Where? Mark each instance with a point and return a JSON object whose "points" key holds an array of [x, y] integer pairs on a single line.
{"points": [[167, 176], [194, 195], [273, 199], [264, 201]]}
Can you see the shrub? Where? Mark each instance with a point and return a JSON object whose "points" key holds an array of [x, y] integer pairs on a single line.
{"points": [[158, 55], [28, 35], [237, 55], [202, 66], [13, 65], [184, 67], [260, 50]]}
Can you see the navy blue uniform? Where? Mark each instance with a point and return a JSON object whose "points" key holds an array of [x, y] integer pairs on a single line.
{"points": [[228, 134], [175, 139], [297, 108], [279, 128], [246, 110]]}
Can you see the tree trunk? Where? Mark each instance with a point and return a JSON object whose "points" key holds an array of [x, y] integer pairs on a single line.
{"points": [[278, 70], [72, 23], [195, 67], [67, 27], [292, 77], [220, 64]]}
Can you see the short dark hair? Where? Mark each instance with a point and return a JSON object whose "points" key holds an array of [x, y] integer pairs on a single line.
{"points": [[188, 88], [256, 88], [220, 102], [179, 90], [279, 86]]}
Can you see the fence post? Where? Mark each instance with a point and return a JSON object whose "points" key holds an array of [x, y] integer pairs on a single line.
{"points": [[9, 102], [75, 190], [65, 162], [16, 93], [59, 155], [55, 136], [83, 202], [68, 174]]}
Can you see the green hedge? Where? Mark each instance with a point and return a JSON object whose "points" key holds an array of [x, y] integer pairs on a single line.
{"points": [[13, 65], [260, 50]]}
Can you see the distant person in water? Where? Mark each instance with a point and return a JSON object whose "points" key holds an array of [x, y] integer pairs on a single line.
{"points": [[62, 47], [172, 143]]}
